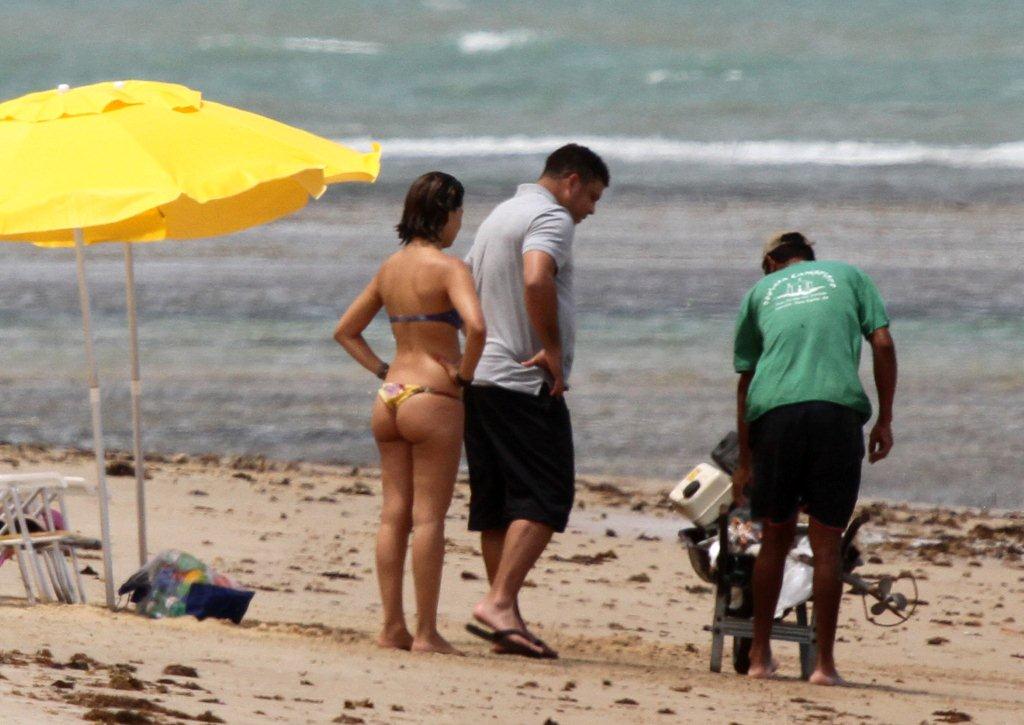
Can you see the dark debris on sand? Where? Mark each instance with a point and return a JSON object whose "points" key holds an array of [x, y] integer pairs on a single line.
{"points": [[587, 559], [122, 680], [107, 707], [120, 468], [128, 717], [339, 575], [357, 489], [181, 671], [934, 535], [365, 703], [102, 707]]}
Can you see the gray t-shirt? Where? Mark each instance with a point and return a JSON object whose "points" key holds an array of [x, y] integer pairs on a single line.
{"points": [[530, 220]]}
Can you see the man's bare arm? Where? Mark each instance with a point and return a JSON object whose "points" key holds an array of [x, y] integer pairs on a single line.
{"points": [[883, 354], [541, 296], [744, 468], [463, 296]]}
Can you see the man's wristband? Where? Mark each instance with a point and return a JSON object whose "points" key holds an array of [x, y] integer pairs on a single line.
{"points": [[382, 371], [462, 382]]}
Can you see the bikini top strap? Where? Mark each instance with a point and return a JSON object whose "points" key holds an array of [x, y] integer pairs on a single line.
{"points": [[451, 316]]}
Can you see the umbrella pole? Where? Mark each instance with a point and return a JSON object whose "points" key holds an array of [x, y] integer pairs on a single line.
{"points": [[97, 422], [133, 331]]}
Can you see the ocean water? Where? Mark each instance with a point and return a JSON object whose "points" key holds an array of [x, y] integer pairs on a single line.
{"points": [[889, 132]]}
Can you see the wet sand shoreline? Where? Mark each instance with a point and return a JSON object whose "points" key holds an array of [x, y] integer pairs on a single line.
{"points": [[615, 594]]}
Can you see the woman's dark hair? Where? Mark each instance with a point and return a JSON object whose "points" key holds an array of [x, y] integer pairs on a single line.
{"points": [[430, 200]]}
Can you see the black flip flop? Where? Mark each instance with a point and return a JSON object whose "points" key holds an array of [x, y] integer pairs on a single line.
{"points": [[503, 637]]}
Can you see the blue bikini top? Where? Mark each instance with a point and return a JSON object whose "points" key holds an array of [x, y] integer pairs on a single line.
{"points": [[452, 317]]}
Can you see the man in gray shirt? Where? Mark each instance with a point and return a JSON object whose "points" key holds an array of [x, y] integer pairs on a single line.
{"points": [[518, 431]]}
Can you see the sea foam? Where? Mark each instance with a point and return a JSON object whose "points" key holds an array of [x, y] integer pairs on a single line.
{"points": [[741, 153], [486, 41], [339, 46]]}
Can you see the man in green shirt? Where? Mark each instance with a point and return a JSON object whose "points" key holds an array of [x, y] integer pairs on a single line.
{"points": [[800, 412]]}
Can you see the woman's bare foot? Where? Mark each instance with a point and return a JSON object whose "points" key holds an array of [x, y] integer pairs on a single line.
{"points": [[829, 679], [434, 643], [395, 638]]}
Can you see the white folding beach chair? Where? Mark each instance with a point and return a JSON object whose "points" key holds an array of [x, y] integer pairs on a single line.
{"points": [[42, 549]]}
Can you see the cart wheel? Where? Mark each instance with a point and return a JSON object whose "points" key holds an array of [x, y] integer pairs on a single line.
{"points": [[741, 654]]}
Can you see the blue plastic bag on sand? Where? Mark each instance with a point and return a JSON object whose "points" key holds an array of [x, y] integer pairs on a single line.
{"points": [[210, 600]]}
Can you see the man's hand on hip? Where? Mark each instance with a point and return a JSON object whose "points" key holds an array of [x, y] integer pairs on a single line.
{"points": [[551, 363]]}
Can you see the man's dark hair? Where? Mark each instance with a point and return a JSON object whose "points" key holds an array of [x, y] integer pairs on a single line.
{"points": [[787, 246], [430, 200], [575, 159]]}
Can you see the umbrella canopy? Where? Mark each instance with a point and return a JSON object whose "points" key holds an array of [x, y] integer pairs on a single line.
{"points": [[143, 161], [139, 161]]}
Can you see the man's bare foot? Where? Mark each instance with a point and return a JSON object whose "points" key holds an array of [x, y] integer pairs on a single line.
{"points": [[761, 671], [500, 649], [434, 643], [829, 679], [394, 638], [498, 618]]}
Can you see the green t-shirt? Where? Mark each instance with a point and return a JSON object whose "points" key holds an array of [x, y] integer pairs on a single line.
{"points": [[800, 330]]}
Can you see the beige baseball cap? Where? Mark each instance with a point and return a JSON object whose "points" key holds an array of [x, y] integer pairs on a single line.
{"points": [[795, 239]]}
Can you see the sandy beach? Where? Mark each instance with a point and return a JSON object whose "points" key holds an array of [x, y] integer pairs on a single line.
{"points": [[244, 166], [615, 594]]}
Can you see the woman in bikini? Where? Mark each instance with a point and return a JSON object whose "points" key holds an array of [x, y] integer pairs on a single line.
{"points": [[418, 416]]}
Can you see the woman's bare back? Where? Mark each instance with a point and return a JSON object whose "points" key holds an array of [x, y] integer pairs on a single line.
{"points": [[414, 282]]}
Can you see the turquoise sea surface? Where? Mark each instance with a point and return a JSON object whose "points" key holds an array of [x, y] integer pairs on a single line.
{"points": [[891, 133]]}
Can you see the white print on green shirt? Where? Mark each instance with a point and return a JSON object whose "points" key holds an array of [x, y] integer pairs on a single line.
{"points": [[801, 288]]}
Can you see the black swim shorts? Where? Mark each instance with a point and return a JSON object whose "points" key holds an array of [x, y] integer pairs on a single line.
{"points": [[520, 455], [807, 456]]}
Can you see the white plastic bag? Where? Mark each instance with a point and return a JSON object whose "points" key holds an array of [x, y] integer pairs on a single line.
{"points": [[797, 578]]}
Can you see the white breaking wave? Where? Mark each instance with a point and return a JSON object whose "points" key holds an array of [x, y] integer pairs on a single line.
{"points": [[740, 153], [338, 46], [486, 41], [332, 45], [661, 75], [444, 6]]}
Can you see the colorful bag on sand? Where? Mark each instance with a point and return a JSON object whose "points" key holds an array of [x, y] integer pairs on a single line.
{"points": [[164, 588]]}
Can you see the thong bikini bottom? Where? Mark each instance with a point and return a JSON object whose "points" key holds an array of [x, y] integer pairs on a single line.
{"points": [[394, 394]]}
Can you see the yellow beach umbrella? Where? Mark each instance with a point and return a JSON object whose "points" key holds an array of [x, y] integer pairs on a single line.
{"points": [[140, 161]]}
